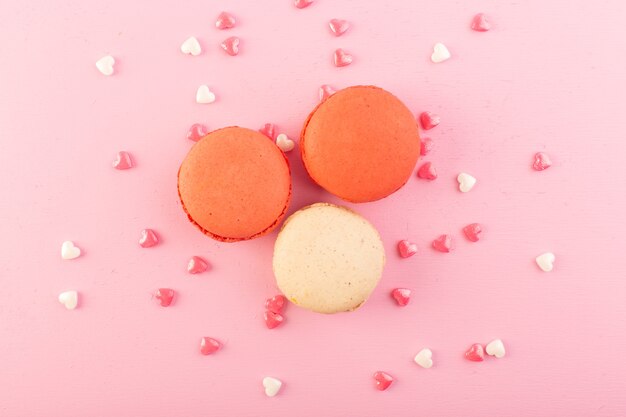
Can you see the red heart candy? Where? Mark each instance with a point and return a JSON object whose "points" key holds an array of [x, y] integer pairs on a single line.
{"points": [[301, 4], [231, 45], [276, 303], [472, 231], [325, 92], [406, 249], [426, 146], [480, 23], [197, 131], [542, 161], [427, 171], [429, 120], [197, 265], [225, 21], [443, 243], [165, 296], [475, 353], [148, 238], [341, 58], [383, 380], [209, 345], [402, 296], [338, 26], [273, 320], [268, 130], [123, 161]]}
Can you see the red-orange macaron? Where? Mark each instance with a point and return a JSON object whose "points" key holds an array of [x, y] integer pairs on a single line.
{"points": [[235, 184], [361, 144]]}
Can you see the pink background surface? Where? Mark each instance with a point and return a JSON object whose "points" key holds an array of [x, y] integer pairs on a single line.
{"points": [[549, 77]]}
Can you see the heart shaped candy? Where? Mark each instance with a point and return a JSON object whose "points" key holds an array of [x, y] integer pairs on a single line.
{"points": [[402, 296], [284, 143], [427, 171], [225, 21], [475, 353], [466, 182], [440, 53], [480, 23], [341, 58], [148, 238], [382, 380], [165, 296], [208, 345], [105, 65], [204, 95], [123, 161], [197, 265], [69, 299], [338, 26], [495, 348], [406, 249], [472, 231], [545, 261], [443, 243], [272, 386], [191, 46], [231, 45], [424, 358], [69, 251]]}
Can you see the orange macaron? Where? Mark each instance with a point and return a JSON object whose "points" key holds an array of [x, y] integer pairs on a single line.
{"points": [[235, 184], [361, 144]]}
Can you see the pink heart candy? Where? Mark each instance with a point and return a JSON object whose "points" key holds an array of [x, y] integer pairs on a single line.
{"points": [[225, 21], [427, 171], [165, 296], [406, 249], [475, 353], [402, 296], [123, 161], [325, 92], [273, 320], [480, 23], [148, 238], [197, 265], [429, 120], [208, 345], [427, 145], [231, 45], [382, 380], [443, 243], [269, 130], [301, 4], [341, 58], [338, 26], [472, 231], [197, 131], [276, 303], [542, 161]]}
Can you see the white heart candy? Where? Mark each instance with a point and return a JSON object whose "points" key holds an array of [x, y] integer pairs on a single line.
{"points": [[191, 46], [284, 143], [424, 358], [466, 182], [440, 53], [105, 64], [69, 251], [496, 348], [546, 261], [204, 95], [271, 385], [69, 299]]}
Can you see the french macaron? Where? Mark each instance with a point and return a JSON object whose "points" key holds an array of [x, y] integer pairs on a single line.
{"points": [[361, 144], [235, 184], [328, 258]]}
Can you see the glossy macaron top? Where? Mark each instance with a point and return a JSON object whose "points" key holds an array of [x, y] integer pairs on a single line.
{"points": [[235, 184], [361, 144]]}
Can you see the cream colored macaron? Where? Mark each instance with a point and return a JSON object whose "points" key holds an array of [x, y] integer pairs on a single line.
{"points": [[328, 258]]}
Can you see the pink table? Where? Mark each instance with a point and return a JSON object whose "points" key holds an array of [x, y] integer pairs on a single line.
{"points": [[548, 77]]}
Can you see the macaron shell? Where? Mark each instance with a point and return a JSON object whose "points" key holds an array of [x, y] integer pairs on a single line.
{"points": [[235, 184], [328, 258], [361, 144]]}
